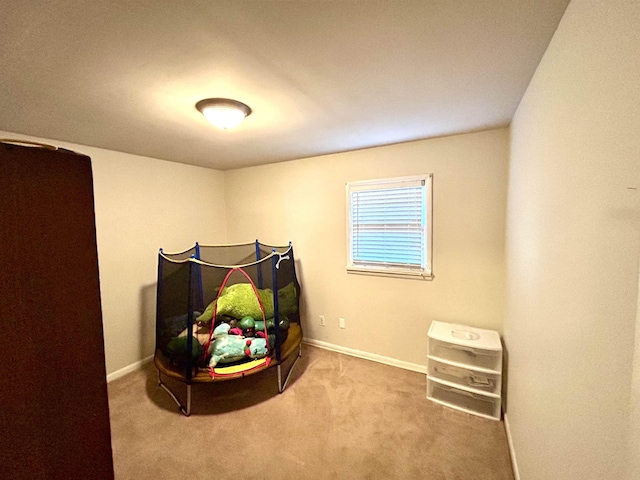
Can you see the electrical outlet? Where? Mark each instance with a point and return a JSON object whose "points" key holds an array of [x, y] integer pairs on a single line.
{"points": [[322, 321], [342, 323]]}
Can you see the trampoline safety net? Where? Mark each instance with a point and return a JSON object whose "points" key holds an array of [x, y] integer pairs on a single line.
{"points": [[211, 296]]}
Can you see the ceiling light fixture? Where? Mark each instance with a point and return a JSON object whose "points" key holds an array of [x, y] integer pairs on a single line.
{"points": [[222, 112]]}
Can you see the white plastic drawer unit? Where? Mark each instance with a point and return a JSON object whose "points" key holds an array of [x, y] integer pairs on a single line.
{"points": [[475, 403], [464, 369], [483, 382], [464, 346]]}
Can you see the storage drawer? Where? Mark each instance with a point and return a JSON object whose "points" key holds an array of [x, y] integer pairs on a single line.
{"points": [[484, 382], [474, 403], [466, 355]]}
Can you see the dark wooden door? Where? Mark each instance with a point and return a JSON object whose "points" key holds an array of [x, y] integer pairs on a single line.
{"points": [[54, 412]]}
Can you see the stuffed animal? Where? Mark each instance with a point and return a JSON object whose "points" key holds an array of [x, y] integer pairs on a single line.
{"points": [[230, 348], [248, 326], [178, 352], [284, 329], [239, 300], [200, 333], [256, 347]]}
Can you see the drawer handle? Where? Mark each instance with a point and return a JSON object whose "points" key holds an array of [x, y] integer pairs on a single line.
{"points": [[464, 392], [472, 379], [468, 351], [480, 381]]}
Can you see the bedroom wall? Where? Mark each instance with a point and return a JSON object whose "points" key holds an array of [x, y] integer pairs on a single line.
{"points": [[634, 439], [303, 201], [572, 249], [143, 204]]}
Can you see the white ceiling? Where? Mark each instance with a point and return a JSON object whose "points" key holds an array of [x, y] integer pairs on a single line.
{"points": [[320, 76]]}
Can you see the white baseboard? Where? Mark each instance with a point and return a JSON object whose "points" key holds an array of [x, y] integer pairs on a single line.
{"points": [[128, 369], [366, 355], [512, 452], [316, 343]]}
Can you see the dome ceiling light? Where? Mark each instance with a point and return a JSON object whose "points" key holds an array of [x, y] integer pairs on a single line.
{"points": [[223, 112]]}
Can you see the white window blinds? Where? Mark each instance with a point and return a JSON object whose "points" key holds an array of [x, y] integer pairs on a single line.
{"points": [[389, 226]]}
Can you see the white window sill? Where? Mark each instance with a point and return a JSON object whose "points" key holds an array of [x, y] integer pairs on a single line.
{"points": [[388, 272]]}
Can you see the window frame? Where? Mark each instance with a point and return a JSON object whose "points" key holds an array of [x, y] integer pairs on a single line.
{"points": [[378, 268]]}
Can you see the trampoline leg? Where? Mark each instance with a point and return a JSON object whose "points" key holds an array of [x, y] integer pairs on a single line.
{"points": [[282, 386], [188, 409], [185, 410]]}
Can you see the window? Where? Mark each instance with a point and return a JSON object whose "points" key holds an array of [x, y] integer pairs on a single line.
{"points": [[389, 225]]}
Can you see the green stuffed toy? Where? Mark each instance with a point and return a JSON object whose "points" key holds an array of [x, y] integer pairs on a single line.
{"points": [[288, 299], [177, 350], [284, 324], [239, 301]]}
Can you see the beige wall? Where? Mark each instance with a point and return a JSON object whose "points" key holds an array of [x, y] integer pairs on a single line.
{"points": [[143, 204], [303, 201], [634, 438], [572, 248]]}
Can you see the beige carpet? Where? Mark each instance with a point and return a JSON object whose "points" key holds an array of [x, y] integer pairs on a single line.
{"points": [[340, 418]]}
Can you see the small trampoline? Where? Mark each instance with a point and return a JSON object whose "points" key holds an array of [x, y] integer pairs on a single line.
{"points": [[226, 312]]}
